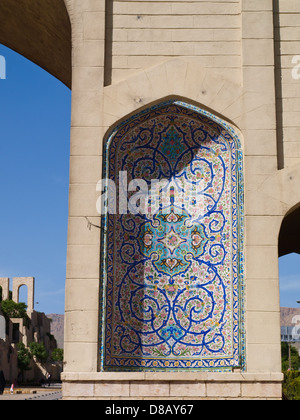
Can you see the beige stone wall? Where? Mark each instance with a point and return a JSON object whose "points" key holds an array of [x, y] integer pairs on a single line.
{"points": [[83, 255], [170, 386], [287, 31], [258, 126], [145, 33]]}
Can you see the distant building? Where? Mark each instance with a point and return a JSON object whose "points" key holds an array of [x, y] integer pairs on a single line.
{"points": [[17, 330], [290, 334]]}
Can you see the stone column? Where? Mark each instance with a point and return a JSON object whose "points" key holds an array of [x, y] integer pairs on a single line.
{"points": [[83, 253]]}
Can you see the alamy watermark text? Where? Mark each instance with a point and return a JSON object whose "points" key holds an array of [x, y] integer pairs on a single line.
{"points": [[2, 67]]}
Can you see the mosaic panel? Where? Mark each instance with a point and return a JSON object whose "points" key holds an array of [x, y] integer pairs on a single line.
{"points": [[172, 272]]}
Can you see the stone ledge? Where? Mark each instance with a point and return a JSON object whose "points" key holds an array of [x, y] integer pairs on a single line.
{"points": [[171, 376], [224, 388]]}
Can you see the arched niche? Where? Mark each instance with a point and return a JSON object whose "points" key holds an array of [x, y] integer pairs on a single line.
{"points": [[172, 243]]}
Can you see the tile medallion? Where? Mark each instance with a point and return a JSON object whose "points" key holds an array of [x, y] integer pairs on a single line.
{"points": [[172, 274]]}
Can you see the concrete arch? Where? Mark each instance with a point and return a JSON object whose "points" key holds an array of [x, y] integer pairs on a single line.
{"points": [[41, 32], [289, 236], [24, 281]]}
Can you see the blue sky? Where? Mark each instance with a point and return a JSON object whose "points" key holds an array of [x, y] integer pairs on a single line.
{"points": [[34, 174], [289, 278]]}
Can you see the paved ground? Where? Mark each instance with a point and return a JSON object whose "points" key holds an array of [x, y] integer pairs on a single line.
{"points": [[51, 393], [53, 396], [40, 396]]}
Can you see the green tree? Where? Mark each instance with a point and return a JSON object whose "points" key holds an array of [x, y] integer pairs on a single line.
{"points": [[57, 355], [295, 358], [12, 309], [24, 357], [39, 351], [291, 385]]}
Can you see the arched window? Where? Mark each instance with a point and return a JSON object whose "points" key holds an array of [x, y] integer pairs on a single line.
{"points": [[172, 259], [23, 294]]}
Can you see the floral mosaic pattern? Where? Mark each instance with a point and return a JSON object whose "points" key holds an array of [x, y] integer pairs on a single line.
{"points": [[172, 296]]}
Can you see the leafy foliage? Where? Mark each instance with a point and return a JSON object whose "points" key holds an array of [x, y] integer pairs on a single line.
{"points": [[57, 355], [24, 357], [25, 354], [38, 350], [291, 385], [295, 358], [12, 309]]}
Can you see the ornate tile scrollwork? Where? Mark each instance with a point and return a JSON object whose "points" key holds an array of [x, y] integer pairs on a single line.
{"points": [[173, 276]]}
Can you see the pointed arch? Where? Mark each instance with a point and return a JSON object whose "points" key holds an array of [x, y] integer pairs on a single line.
{"points": [[172, 269]]}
